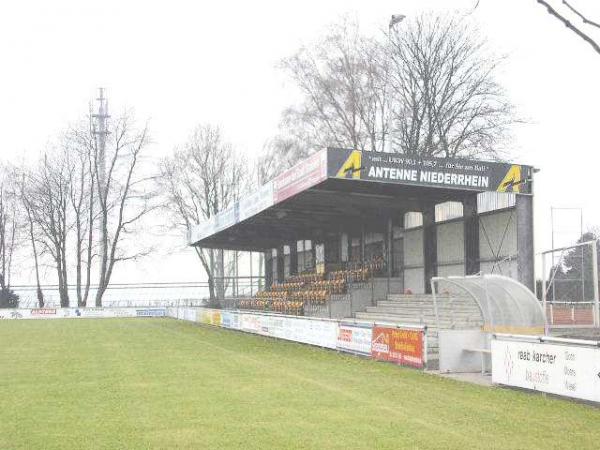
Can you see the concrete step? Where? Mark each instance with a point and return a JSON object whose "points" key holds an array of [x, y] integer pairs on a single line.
{"points": [[417, 310], [425, 297], [426, 314], [440, 301], [443, 322], [427, 305], [412, 321]]}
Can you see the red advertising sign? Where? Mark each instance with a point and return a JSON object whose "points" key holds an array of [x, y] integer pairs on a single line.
{"points": [[300, 177], [398, 345]]}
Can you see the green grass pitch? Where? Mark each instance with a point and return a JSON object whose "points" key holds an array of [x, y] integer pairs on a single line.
{"points": [[161, 383]]}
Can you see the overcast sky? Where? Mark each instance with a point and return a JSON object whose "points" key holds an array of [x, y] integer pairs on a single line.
{"points": [[182, 63]]}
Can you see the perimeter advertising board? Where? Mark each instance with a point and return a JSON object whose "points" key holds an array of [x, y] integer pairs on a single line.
{"points": [[313, 331], [321, 332], [151, 312], [354, 339], [227, 319], [567, 370], [404, 346], [75, 313], [208, 316], [449, 173], [399, 345]]}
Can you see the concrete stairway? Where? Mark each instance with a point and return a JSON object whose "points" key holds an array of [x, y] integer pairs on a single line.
{"points": [[418, 309]]}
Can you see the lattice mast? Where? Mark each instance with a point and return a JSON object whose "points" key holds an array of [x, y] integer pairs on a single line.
{"points": [[100, 130]]}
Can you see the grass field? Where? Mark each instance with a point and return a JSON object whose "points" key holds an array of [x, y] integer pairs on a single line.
{"points": [[161, 383]]}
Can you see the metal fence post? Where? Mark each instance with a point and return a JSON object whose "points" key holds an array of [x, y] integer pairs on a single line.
{"points": [[595, 279], [350, 290], [544, 294], [372, 290]]}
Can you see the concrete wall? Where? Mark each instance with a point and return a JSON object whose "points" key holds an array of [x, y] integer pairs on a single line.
{"points": [[498, 243], [286, 262], [413, 260], [450, 248], [497, 248]]}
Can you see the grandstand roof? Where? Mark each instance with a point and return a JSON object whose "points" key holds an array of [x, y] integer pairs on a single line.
{"points": [[340, 190]]}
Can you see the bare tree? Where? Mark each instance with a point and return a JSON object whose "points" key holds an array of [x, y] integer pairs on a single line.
{"points": [[9, 225], [201, 179], [78, 146], [344, 91], [25, 193], [447, 102], [76, 220], [123, 194], [278, 154], [432, 73], [572, 13], [25, 189], [49, 208]]}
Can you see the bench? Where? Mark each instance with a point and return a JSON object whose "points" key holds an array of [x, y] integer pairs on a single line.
{"points": [[483, 352]]}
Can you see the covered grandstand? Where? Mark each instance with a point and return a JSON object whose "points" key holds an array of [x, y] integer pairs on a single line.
{"points": [[344, 228]]}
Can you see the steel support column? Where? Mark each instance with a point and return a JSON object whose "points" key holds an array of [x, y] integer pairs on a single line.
{"points": [[525, 256], [268, 268], [294, 258], [362, 244], [389, 242], [429, 246], [280, 264], [471, 235]]}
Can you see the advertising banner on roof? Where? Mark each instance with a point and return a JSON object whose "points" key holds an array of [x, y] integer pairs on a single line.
{"points": [[449, 173], [200, 231], [256, 202], [226, 218], [302, 176]]}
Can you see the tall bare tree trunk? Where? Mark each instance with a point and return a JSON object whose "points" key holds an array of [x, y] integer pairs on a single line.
{"points": [[90, 243]]}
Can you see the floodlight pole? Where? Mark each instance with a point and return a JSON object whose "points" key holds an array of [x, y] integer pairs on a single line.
{"points": [[396, 19]]}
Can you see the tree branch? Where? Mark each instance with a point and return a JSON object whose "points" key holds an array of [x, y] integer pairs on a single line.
{"points": [[570, 26], [583, 18]]}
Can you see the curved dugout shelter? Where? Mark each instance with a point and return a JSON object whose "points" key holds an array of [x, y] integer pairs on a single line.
{"points": [[505, 305], [340, 206]]}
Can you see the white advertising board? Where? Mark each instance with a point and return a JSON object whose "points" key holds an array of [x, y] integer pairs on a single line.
{"points": [[250, 323], [227, 319], [189, 314], [355, 339], [568, 370], [313, 331], [319, 332], [75, 313]]}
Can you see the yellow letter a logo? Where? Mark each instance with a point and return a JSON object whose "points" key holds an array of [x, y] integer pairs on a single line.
{"points": [[512, 180], [351, 166]]}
